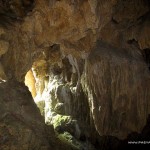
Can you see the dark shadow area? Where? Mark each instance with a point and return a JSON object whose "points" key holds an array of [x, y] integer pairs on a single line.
{"points": [[146, 55], [14, 10], [133, 140]]}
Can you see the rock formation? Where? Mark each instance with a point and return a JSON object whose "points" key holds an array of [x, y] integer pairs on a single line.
{"points": [[21, 125], [88, 67]]}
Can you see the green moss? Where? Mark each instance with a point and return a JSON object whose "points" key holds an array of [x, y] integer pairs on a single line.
{"points": [[69, 140], [60, 120]]}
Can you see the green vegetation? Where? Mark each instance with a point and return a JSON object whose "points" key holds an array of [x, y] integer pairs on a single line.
{"points": [[69, 140], [60, 120]]}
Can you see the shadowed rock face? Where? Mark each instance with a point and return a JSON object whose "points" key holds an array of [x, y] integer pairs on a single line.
{"points": [[11, 10], [21, 126], [103, 44], [117, 85]]}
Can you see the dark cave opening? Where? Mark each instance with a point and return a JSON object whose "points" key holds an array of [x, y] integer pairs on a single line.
{"points": [[146, 55], [12, 11], [145, 52]]}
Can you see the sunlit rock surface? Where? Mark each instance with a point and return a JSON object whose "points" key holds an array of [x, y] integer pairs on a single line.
{"points": [[30, 82], [61, 103]]}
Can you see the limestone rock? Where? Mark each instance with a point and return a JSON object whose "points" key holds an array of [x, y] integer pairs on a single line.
{"points": [[117, 84], [3, 47], [55, 38], [3, 77], [21, 125], [30, 82]]}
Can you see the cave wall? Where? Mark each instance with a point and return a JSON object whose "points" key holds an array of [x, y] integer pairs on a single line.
{"points": [[117, 85], [104, 42], [21, 125]]}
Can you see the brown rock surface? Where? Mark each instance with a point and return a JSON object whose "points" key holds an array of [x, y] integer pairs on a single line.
{"points": [[117, 76], [117, 85], [21, 125]]}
